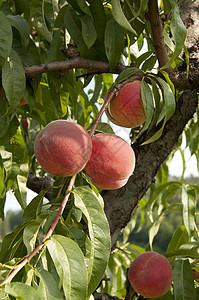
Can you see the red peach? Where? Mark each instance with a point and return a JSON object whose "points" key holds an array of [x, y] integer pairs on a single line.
{"points": [[112, 161], [150, 275], [126, 108], [63, 148]]}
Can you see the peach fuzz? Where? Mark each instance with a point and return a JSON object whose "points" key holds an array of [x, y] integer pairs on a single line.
{"points": [[126, 108], [112, 161], [63, 148], [150, 275]]}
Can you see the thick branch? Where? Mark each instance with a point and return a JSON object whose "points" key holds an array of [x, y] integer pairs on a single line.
{"points": [[157, 32], [74, 63]]}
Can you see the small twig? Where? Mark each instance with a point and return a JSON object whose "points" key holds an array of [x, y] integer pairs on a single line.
{"points": [[48, 235], [102, 110]]}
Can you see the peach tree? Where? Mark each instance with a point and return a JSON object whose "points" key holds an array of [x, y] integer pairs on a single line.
{"points": [[71, 60]]}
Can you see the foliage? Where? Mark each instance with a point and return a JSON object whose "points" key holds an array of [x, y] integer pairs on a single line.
{"points": [[73, 260]]}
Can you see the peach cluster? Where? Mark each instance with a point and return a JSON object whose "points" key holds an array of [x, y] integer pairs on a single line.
{"points": [[64, 148]]}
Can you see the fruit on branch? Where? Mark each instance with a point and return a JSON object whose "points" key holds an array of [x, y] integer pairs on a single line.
{"points": [[112, 161], [63, 148], [150, 275], [126, 108]]}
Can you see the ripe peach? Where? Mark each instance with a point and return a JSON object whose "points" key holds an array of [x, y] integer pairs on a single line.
{"points": [[112, 161], [126, 108], [63, 148], [150, 275]]}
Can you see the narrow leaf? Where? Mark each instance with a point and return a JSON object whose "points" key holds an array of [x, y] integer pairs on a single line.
{"points": [[22, 26], [180, 237], [169, 99], [70, 265], [34, 207], [189, 208], [120, 17], [88, 30], [86, 200], [114, 36], [31, 232], [13, 79], [157, 222], [147, 99], [38, 19], [21, 290], [6, 38], [178, 31], [183, 280], [47, 289]]}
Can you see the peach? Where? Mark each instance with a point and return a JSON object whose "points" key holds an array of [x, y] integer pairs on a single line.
{"points": [[112, 161], [126, 108], [63, 148], [150, 275]]}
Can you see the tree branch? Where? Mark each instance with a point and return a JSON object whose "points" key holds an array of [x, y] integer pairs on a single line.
{"points": [[77, 62], [157, 32]]}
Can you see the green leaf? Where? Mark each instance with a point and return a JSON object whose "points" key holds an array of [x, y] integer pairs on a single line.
{"points": [[22, 26], [74, 27], [180, 237], [189, 208], [156, 135], [120, 17], [22, 290], [31, 232], [169, 99], [70, 265], [147, 99], [157, 222], [183, 280], [88, 30], [126, 74], [9, 241], [87, 201], [178, 31], [47, 288], [6, 38], [102, 128], [113, 39], [13, 79], [2, 189], [38, 19], [15, 160], [33, 209]]}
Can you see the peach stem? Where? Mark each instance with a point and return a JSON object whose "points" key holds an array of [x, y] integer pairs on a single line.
{"points": [[102, 110], [48, 235]]}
